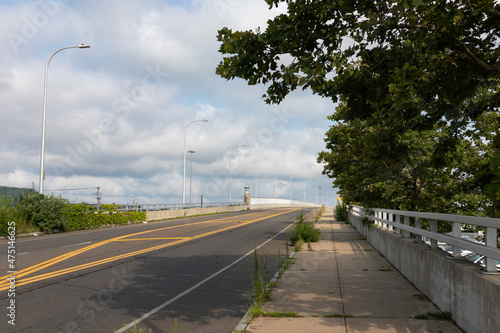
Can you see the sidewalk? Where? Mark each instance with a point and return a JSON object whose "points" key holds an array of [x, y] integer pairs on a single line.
{"points": [[344, 285]]}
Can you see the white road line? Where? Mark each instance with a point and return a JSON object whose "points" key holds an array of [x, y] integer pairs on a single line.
{"points": [[20, 254], [184, 293], [77, 244]]}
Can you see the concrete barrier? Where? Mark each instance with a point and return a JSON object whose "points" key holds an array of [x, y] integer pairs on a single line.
{"points": [[454, 285], [169, 214]]}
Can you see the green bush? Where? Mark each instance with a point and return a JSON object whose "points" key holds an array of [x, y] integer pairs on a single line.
{"points": [[304, 231], [42, 211], [38, 212], [8, 212], [51, 217], [29, 206], [82, 216], [340, 212]]}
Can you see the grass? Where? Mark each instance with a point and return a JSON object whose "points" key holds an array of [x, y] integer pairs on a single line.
{"points": [[303, 233], [281, 314], [340, 212], [320, 213], [262, 292], [437, 315], [337, 315], [135, 330], [298, 245]]}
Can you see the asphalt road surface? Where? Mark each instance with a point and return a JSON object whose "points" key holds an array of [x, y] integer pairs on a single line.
{"points": [[182, 275]]}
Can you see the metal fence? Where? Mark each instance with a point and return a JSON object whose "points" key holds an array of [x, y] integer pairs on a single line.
{"points": [[176, 206], [409, 224]]}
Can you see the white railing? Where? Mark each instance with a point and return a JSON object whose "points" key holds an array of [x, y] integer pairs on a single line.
{"points": [[399, 221], [159, 207]]}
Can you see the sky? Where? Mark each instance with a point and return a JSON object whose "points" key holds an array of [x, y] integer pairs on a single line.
{"points": [[117, 113]]}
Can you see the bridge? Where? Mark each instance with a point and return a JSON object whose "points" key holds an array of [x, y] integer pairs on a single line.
{"points": [[163, 211], [433, 261]]}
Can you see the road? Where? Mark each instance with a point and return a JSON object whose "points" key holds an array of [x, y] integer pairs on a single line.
{"points": [[183, 275]]}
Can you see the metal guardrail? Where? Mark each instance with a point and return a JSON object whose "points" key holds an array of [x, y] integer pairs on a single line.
{"points": [[399, 221], [160, 207]]}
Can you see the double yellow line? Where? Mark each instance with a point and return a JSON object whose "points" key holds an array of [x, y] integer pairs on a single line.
{"points": [[22, 279]]}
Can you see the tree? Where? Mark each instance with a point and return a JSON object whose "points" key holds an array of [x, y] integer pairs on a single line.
{"points": [[394, 67]]}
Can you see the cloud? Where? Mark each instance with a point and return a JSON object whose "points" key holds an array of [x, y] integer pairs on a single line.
{"points": [[117, 112]]}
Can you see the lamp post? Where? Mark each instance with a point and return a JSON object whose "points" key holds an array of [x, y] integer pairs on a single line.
{"points": [[275, 171], [184, 168], [230, 157], [260, 159], [317, 194], [304, 190], [190, 175], [42, 152]]}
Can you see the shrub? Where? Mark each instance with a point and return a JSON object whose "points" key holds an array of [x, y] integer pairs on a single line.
{"points": [[340, 212], [304, 231], [82, 216], [8, 213], [43, 212], [51, 216], [29, 206]]}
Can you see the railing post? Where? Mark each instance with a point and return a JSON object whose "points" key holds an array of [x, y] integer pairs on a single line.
{"points": [[490, 238], [418, 225], [398, 220], [456, 233], [434, 229], [407, 223], [391, 218]]}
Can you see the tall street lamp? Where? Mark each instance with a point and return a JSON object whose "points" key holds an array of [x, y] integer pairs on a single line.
{"points": [[184, 168], [260, 159], [230, 157], [319, 194], [190, 174], [42, 152]]}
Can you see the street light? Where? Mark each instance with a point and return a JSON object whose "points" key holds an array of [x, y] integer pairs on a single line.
{"points": [[260, 159], [190, 174], [230, 156], [42, 152], [317, 194], [184, 168]]}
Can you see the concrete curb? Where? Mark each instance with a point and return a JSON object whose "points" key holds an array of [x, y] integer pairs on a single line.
{"points": [[243, 324]]}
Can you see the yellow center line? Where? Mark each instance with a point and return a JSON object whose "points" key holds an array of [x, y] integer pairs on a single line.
{"points": [[19, 282], [68, 255], [140, 239]]}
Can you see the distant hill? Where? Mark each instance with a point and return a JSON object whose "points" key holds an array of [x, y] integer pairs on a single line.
{"points": [[14, 192]]}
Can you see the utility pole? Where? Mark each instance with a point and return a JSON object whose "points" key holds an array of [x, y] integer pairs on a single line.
{"points": [[98, 197]]}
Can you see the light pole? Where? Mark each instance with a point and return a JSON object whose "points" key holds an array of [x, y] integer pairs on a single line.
{"points": [[304, 190], [184, 168], [190, 174], [260, 159], [317, 194], [42, 152], [274, 183], [275, 171], [230, 157]]}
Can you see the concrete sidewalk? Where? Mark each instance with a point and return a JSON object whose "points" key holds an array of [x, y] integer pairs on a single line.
{"points": [[344, 285]]}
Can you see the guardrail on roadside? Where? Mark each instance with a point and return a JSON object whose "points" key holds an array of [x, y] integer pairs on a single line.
{"points": [[399, 221], [160, 207]]}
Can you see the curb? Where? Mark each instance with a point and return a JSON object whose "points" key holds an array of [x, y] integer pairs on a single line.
{"points": [[244, 322]]}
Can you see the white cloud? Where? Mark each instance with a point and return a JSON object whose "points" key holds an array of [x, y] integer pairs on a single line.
{"points": [[117, 112]]}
